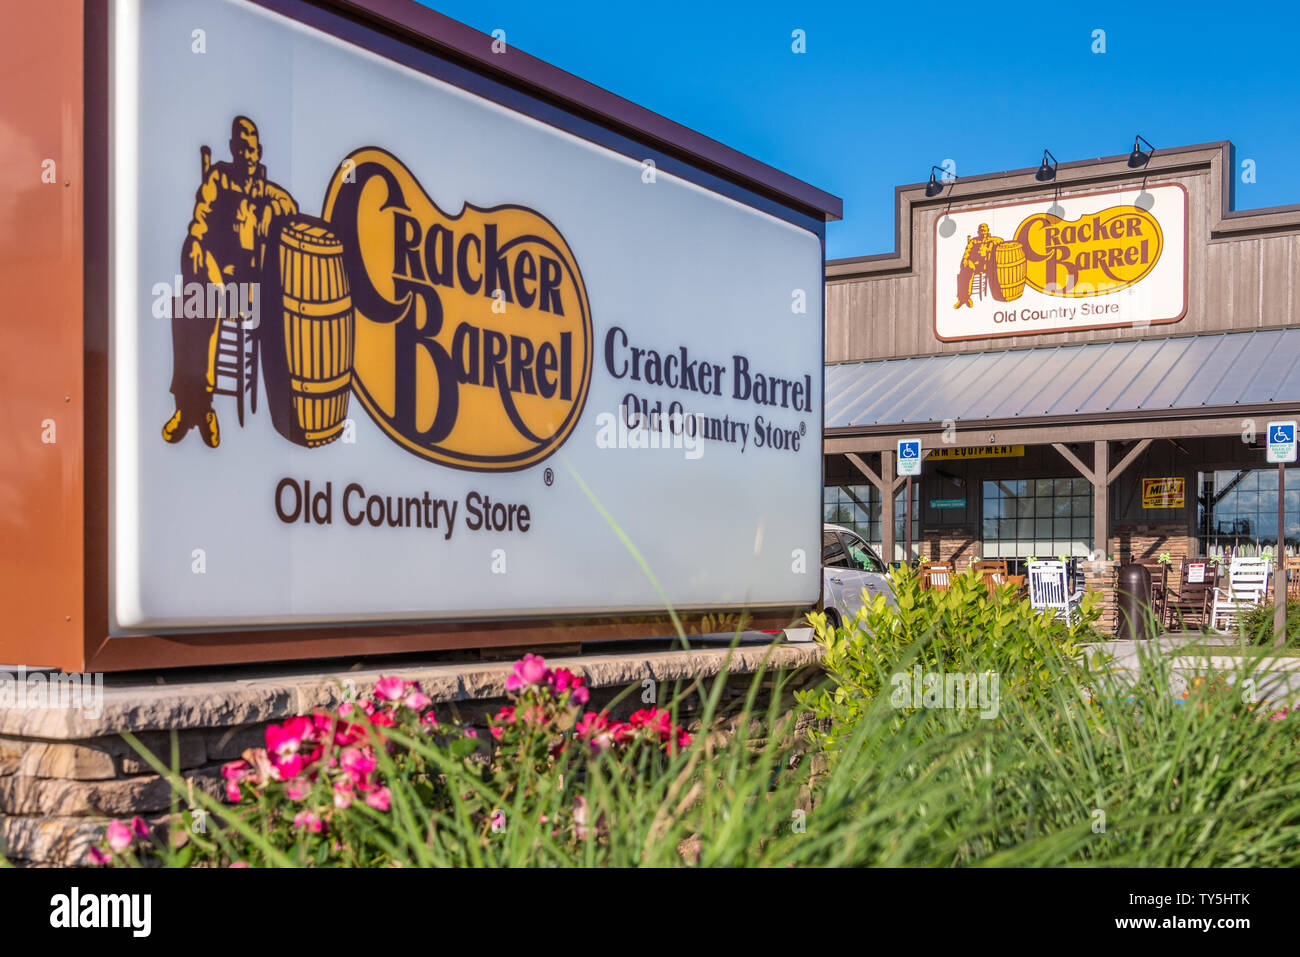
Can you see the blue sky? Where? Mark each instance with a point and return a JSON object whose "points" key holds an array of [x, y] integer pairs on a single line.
{"points": [[883, 91]]}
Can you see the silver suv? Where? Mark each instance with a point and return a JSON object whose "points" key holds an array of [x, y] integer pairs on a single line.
{"points": [[850, 565]]}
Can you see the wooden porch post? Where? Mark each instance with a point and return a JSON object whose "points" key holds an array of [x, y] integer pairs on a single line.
{"points": [[1101, 497], [887, 505]]}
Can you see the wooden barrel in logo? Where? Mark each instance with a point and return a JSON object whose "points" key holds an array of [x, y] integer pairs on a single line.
{"points": [[1007, 271], [308, 344]]}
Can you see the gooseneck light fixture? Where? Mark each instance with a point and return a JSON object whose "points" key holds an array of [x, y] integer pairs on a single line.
{"points": [[1046, 172], [935, 186], [1139, 157]]}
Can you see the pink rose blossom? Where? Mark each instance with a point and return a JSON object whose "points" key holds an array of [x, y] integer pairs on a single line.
{"points": [[119, 836], [139, 828], [529, 670], [98, 856], [379, 799], [417, 700], [297, 789], [390, 688], [306, 820], [343, 794]]}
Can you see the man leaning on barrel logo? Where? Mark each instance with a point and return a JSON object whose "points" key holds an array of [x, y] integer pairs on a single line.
{"points": [[233, 211], [974, 261]]}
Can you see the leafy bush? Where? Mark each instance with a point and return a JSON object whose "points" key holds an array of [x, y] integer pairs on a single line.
{"points": [[966, 628], [1256, 625]]}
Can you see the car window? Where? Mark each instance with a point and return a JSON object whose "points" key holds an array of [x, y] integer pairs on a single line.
{"points": [[833, 552], [861, 555]]}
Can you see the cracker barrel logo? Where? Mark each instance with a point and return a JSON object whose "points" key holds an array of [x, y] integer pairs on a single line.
{"points": [[466, 337], [1094, 255]]}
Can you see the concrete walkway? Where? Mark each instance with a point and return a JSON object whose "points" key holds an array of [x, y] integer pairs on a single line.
{"points": [[1277, 679]]}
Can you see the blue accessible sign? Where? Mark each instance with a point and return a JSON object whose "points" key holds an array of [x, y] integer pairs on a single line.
{"points": [[1281, 442], [909, 456]]}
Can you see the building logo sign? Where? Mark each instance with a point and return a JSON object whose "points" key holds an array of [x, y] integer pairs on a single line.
{"points": [[467, 337], [1164, 492], [1058, 264]]}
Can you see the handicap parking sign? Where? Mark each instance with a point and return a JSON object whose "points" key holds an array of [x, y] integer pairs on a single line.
{"points": [[1281, 442], [909, 456]]}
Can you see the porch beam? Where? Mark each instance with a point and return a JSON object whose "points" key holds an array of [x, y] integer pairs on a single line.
{"points": [[1074, 460], [838, 444], [866, 470], [1128, 460]]}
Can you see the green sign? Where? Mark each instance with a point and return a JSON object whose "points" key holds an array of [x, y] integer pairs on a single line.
{"points": [[947, 503]]}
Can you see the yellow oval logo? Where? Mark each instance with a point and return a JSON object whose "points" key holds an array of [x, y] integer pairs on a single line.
{"points": [[473, 332], [1094, 255]]}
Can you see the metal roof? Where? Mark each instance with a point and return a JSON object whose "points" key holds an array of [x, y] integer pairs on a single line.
{"points": [[1092, 379]]}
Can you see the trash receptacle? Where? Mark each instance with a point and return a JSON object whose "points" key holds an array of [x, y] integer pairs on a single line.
{"points": [[1135, 618]]}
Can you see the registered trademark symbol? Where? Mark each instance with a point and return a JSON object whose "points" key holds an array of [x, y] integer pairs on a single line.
{"points": [[803, 428], [548, 477]]}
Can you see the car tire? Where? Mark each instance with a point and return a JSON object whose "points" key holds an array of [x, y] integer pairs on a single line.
{"points": [[833, 618]]}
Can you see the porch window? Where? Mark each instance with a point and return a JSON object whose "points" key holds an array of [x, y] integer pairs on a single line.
{"points": [[1039, 517], [1237, 511]]}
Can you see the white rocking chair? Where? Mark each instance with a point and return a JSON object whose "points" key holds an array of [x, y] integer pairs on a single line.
{"points": [[1247, 586], [1049, 588]]}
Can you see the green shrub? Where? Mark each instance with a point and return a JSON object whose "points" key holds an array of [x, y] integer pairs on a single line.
{"points": [[965, 628], [1256, 625]]}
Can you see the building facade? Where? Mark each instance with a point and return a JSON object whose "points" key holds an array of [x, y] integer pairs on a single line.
{"points": [[1089, 353]]}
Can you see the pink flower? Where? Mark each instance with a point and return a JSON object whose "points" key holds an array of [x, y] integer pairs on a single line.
{"points": [[306, 820], [139, 828], [529, 670], [471, 733], [98, 856], [343, 794], [297, 789], [285, 739], [429, 720], [417, 700], [239, 864], [358, 763], [390, 688], [563, 680], [286, 769], [234, 772], [284, 743], [658, 722], [498, 822], [379, 799], [596, 730], [119, 835]]}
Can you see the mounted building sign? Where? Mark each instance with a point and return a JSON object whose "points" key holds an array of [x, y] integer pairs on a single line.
{"points": [[1086, 261]]}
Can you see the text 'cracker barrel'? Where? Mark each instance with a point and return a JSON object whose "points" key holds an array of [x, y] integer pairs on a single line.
{"points": [[1007, 271], [307, 356]]}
